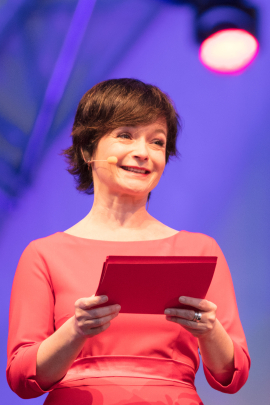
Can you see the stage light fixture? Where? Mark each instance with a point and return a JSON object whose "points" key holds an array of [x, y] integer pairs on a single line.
{"points": [[226, 31]]}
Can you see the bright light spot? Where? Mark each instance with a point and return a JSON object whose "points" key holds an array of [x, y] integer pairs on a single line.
{"points": [[229, 51]]}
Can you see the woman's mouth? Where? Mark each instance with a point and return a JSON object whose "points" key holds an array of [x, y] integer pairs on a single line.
{"points": [[133, 169]]}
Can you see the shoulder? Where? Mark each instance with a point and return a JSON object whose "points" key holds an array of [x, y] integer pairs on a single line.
{"points": [[33, 261], [40, 248], [49, 254], [46, 242], [49, 240], [195, 243], [198, 237]]}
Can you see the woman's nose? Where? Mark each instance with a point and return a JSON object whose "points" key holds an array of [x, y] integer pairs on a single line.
{"points": [[141, 151]]}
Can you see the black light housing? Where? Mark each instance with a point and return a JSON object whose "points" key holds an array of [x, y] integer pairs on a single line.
{"points": [[214, 16]]}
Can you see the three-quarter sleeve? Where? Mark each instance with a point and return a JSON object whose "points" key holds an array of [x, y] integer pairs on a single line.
{"points": [[31, 321], [221, 292]]}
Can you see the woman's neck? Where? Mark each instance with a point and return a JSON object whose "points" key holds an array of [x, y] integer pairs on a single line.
{"points": [[115, 212], [120, 219], [122, 216], [116, 218]]}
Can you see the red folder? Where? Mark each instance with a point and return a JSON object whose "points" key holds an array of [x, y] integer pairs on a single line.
{"points": [[150, 284]]}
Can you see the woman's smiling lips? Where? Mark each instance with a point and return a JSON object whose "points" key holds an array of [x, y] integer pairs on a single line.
{"points": [[136, 169]]}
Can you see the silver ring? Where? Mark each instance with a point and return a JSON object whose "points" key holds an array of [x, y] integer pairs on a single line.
{"points": [[197, 316]]}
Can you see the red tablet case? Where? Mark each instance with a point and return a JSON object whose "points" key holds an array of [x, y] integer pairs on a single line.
{"points": [[150, 284]]}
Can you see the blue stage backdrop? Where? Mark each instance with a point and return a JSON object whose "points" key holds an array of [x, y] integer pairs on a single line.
{"points": [[219, 186]]}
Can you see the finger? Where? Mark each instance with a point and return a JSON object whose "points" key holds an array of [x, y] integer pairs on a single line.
{"points": [[197, 329], [96, 331], [89, 302], [181, 313], [201, 304], [185, 322], [96, 323], [104, 311], [96, 312]]}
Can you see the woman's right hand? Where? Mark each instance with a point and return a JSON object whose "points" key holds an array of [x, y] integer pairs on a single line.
{"points": [[57, 353], [90, 321]]}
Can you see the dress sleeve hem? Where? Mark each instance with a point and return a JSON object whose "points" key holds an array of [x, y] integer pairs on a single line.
{"points": [[240, 374], [24, 383]]}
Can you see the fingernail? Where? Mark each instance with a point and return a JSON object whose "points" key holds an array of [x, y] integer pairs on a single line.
{"points": [[183, 299], [167, 311], [118, 307], [104, 298]]}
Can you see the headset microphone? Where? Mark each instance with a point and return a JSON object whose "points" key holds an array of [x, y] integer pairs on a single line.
{"points": [[111, 159]]}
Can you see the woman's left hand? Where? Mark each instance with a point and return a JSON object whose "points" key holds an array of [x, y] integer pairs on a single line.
{"points": [[186, 317]]}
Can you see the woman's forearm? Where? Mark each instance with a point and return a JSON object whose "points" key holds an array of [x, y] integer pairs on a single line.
{"points": [[57, 353], [217, 353]]}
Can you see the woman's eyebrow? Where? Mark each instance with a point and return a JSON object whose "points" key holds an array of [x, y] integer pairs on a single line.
{"points": [[160, 130], [129, 127]]}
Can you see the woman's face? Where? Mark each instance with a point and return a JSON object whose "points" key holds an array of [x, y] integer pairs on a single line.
{"points": [[141, 154]]}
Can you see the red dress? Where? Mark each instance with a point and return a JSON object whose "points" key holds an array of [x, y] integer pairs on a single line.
{"points": [[140, 359]]}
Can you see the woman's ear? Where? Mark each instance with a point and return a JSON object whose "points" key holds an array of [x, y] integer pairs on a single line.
{"points": [[85, 155]]}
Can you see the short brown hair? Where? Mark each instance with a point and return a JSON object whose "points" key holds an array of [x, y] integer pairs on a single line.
{"points": [[112, 104]]}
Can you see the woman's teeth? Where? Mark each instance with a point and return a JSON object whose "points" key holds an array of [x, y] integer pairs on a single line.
{"points": [[132, 169]]}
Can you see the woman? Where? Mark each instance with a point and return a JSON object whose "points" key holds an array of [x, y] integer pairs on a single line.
{"points": [[88, 355]]}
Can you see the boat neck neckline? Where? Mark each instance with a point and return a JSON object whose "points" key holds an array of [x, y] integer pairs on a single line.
{"points": [[119, 241]]}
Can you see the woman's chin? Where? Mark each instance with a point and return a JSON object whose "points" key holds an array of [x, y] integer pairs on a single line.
{"points": [[133, 191]]}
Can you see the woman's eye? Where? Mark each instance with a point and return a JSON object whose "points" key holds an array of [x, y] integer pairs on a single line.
{"points": [[159, 142], [124, 135]]}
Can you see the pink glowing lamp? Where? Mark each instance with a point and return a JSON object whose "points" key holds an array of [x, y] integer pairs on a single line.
{"points": [[229, 51]]}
